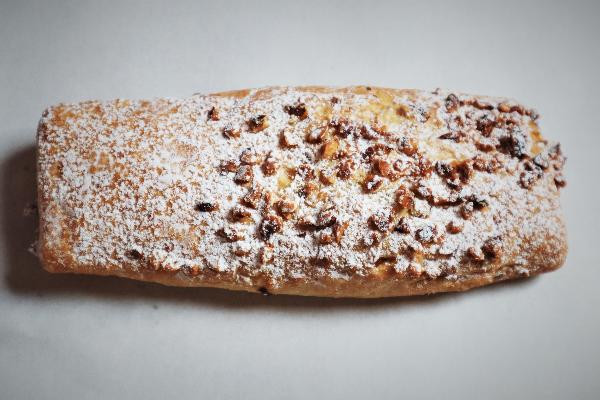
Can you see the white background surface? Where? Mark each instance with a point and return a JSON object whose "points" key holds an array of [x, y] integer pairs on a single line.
{"points": [[73, 337]]}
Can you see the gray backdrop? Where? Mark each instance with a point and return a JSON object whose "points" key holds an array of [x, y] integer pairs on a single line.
{"points": [[77, 337]]}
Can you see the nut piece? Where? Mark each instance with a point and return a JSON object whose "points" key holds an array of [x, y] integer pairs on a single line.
{"points": [[326, 218], [269, 167], [379, 221], [475, 254], [316, 135], [504, 107], [325, 238], [228, 166], [345, 169], [249, 157], [213, 114], [408, 146], [372, 183], [298, 110], [238, 214], [454, 227], [253, 198], [231, 133], [244, 175], [269, 226], [560, 181], [326, 179], [342, 128], [230, 234], [383, 167], [338, 230], [287, 140], [466, 211], [492, 247], [286, 208], [404, 198], [258, 123], [403, 226], [207, 207], [329, 149], [452, 102], [265, 254]]}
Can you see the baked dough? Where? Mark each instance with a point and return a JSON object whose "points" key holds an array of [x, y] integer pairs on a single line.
{"points": [[341, 192]]}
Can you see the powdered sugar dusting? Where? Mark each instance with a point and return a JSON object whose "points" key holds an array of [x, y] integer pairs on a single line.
{"points": [[120, 184]]}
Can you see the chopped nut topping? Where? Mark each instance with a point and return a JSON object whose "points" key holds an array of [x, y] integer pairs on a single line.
{"points": [[253, 198], [326, 179], [342, 128], [308, 189], [329, 149], [504, 107], [231, 133], [487, 144], [560, 181], [490, 165], [213, 114], [481, 105], [207, 207], [265, 256], [475, 254], [454, 227], [542, 161], [298, 110], [372, 183], [455, 136], [513, 144], [230, 234], [338, 230], [452, 103], [443, 169], [404, 198], [408, 146], [345, 169], [325, 238], [258, 123], [269, 167], [368, 133], [287, 140], [383, 167], [250, 157], [316, 135], [403, 226], [326, 218], [228, 166], [134, 254], [492, 247], [305, 171], [244, 175], [270, 225], [466, 211], [426, 234], [286, 208], [379, 221], [485, 125], [531, 174], [238, 214]]}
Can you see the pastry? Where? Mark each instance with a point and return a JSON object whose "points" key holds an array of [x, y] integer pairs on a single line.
{"points": [[341, 192]]}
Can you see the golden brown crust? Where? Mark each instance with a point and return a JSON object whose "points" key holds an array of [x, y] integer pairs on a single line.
{"points": [[402, 192]]}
